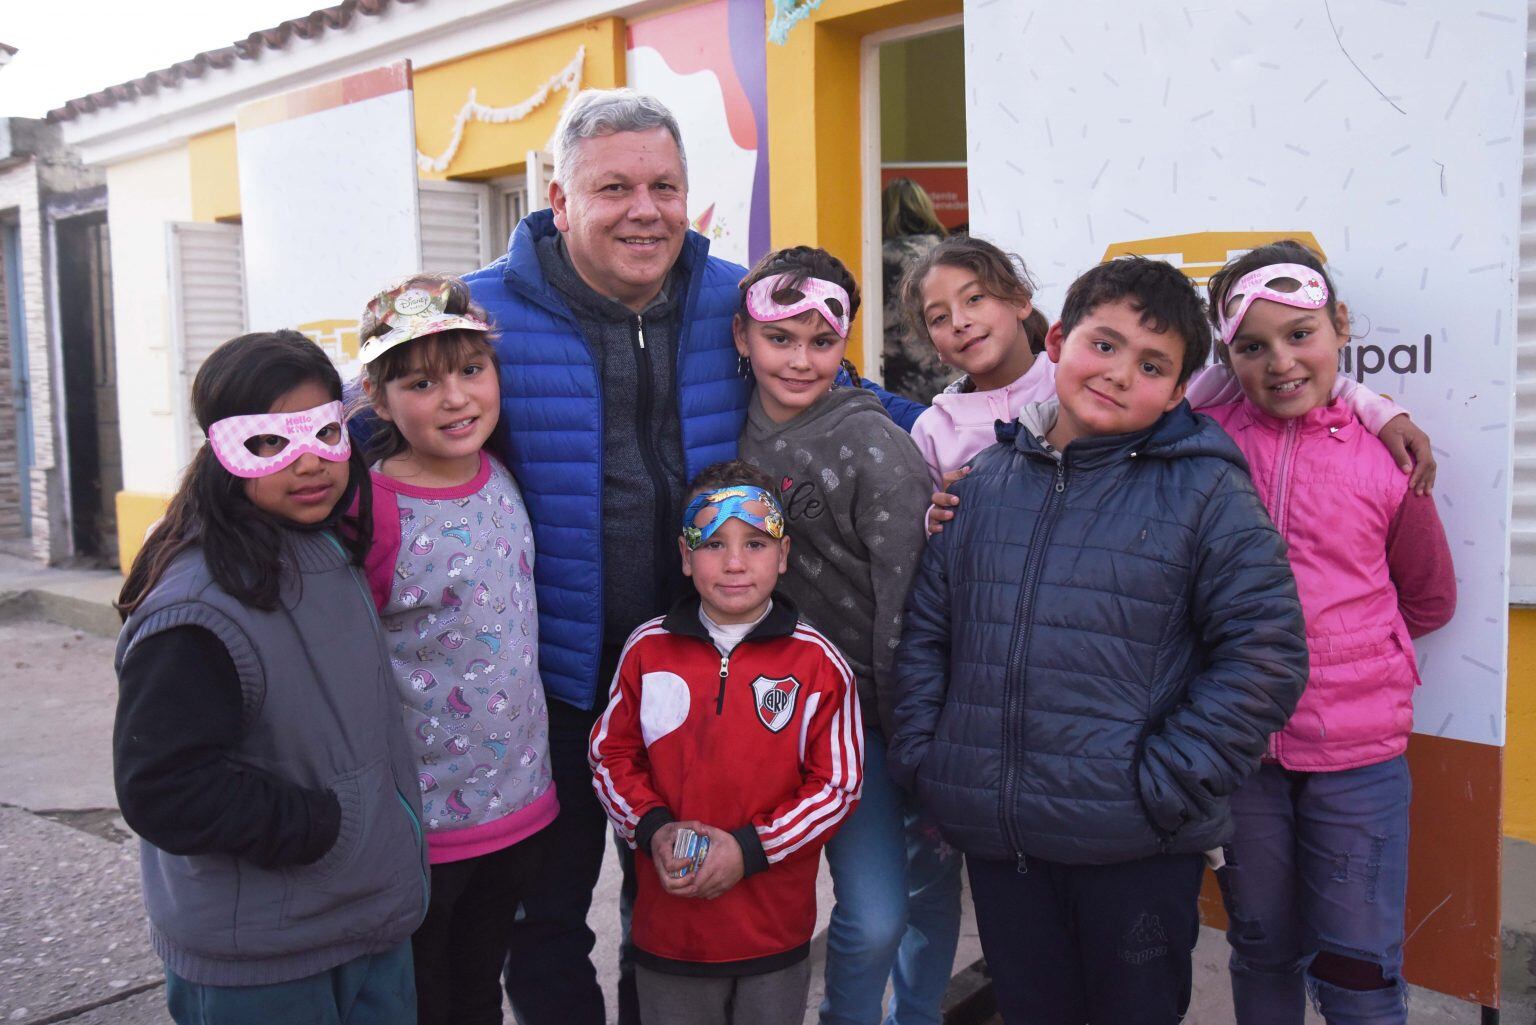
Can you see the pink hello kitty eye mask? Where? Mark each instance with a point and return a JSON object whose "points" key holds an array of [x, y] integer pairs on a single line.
{"points": [[1309, 293], [235, 439], [830, 300]]}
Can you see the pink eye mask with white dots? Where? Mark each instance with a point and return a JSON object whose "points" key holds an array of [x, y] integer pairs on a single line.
{"points": [[300, 432], [814, 293], [1310, 293]]}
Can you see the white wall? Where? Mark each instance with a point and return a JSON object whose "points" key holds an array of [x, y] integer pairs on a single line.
{"points": [[146, 194], [1391, 132]]}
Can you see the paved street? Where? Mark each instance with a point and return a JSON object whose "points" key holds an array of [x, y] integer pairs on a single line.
{"points": [[72, 942]]}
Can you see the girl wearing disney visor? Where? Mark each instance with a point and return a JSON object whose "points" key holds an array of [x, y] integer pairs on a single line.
{"points": [[451, 570], [258, 750], [854, 490]]}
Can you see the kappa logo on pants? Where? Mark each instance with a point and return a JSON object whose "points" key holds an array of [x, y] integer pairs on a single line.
{"points": [[1144, 940], [775, 700]]}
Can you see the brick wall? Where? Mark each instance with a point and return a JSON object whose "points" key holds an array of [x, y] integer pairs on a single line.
{"points": [[19, 193], [10, 479]]}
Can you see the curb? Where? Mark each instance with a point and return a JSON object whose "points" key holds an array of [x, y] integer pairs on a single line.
{"points": [[92, 617]]}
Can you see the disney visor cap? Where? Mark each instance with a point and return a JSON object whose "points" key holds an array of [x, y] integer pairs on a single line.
{"points": [[411, 311]]}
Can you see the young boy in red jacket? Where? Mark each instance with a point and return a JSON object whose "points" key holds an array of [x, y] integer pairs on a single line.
{"points": [[730, 717]]}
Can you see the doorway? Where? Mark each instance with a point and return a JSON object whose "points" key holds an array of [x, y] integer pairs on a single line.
{"points": [[914, 107], [90, 384]]}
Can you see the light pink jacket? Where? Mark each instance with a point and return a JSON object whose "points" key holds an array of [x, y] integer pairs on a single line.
{"points": [[960, 424], [1335, 495]]}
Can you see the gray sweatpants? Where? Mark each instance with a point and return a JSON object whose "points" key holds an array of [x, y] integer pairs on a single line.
{"points": [[777, 998]]}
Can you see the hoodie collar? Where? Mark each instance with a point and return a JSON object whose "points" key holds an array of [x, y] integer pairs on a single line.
{"points": [[683, 619], [524, 274], [1177, 433]]}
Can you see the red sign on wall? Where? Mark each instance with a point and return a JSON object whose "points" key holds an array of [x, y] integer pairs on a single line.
{"points": [[945, 185]]}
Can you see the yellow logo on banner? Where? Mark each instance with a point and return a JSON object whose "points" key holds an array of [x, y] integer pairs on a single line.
{"points": [[337, 337], [1200, 254]]}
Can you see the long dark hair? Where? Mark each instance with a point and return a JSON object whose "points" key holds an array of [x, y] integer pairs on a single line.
{"points": [[242, 543]]}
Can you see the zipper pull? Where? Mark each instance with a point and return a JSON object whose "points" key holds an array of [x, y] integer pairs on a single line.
{"points": [[1023, 866], [640, 330], [1061, 477], [725, 666]]}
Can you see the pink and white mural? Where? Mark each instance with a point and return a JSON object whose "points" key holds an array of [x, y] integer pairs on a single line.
{"points": [[719, 94]]}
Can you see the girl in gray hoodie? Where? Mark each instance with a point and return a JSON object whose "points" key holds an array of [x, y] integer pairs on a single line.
{"points": [[855, 491]]}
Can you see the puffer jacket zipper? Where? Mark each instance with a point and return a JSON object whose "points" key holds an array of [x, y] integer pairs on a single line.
{"points": [[645, 403], [1282, 500], [1013, 681]]}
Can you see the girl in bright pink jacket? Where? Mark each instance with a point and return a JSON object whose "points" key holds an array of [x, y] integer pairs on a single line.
{"points": [[1315, 879]]}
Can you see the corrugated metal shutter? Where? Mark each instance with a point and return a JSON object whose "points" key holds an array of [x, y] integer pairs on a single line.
{"points": [[207, 304], [455, 227], [1522, 570]]}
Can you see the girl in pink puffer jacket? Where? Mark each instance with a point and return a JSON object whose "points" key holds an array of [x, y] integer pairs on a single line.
{"points": [[1316, 877]]}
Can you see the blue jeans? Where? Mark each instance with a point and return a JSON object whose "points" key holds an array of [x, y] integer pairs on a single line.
{"points": [[897, 911], [1319, 863], [379, 989]]}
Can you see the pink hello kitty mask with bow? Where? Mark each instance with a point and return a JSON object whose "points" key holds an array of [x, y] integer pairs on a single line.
{"points": [[1310, 293], [828, 299], [233, 436]]}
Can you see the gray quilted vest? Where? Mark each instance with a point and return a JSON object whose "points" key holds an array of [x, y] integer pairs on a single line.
{"points": [[319, 709]]}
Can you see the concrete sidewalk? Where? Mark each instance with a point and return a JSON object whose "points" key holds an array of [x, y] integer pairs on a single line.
{"points": [[73, 946]]}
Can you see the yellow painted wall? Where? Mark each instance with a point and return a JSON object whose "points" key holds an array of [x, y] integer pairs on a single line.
{"points": [[215, 175], [814, 153], [1520, 736], [137, 511], [502, 77]]}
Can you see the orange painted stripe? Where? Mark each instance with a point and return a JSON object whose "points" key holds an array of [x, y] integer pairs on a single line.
{"points": [[365, 85]]}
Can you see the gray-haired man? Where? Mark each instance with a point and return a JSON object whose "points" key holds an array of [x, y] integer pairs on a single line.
{"points": [[619, 382]]}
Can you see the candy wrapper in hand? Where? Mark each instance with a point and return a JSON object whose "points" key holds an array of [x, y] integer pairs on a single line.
{"points": [[691, 847]]}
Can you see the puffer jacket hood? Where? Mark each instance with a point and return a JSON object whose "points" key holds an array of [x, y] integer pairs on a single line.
{"points": [[1097, 648]]}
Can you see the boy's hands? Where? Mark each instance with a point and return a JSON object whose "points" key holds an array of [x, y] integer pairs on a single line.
{"points": [[943, 508], [667, 866], [723, 865], [1410, 449]]}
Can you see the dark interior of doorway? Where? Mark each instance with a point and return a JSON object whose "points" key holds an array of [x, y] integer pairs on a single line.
{"points": [[90, 384]]}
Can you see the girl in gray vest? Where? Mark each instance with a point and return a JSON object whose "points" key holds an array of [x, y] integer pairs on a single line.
{"points": [[258, 750]]}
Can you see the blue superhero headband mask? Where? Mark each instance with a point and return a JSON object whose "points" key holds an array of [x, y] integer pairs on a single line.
{"points": [[733, 502]]}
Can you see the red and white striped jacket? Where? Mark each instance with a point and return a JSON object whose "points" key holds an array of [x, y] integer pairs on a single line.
{"points": [[764, 743]]}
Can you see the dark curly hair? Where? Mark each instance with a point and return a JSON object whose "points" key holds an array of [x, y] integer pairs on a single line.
{"points": [[1158, 291]]}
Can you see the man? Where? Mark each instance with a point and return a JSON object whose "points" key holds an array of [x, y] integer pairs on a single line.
{"points": [[619, 383]]}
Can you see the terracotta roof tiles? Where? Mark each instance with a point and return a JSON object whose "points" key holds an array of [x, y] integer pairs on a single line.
{"points": [[311, 26]]}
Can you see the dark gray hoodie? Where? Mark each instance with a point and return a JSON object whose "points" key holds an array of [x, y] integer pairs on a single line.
{"points": [[636, 356], [855, 492]]}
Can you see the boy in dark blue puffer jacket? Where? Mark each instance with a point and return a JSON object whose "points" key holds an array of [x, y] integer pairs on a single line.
{"points": [[1094, 654]]}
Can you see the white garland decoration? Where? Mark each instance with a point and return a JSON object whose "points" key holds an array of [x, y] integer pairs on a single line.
{"points": [[567, 78]]}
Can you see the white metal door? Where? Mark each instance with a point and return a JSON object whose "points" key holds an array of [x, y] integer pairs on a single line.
{"points": [[207, 268]]}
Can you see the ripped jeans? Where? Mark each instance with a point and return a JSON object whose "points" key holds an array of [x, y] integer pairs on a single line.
{"points": [[1319, 863]]}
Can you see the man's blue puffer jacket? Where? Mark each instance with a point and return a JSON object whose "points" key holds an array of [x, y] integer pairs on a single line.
{"points": [[1095, 652], [551, 429]]}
